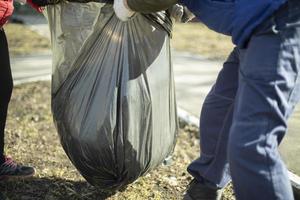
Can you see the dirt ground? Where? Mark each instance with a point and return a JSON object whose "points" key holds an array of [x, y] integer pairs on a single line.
{"points": [[31, 139]]}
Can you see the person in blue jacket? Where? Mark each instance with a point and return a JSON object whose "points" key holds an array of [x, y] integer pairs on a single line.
{"points": [[244, 117]]}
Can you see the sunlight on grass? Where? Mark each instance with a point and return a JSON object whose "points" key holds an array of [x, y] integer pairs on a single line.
{"points": [[198, 39], [24, 41]]}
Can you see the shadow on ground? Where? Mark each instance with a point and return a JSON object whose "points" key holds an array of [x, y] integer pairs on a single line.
{"points": [[51, 189]]}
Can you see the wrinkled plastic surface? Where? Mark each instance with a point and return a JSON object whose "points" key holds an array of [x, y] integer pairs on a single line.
{"points": [[113, 96]]}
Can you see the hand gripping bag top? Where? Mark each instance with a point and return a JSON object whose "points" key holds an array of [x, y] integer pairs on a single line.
{"points": [[113, 97]]}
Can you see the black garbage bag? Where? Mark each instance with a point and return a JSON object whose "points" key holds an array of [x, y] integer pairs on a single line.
{"points": [[113, 97]]}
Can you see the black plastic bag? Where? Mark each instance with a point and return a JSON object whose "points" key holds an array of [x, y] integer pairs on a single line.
{"points": [[114, 106]]}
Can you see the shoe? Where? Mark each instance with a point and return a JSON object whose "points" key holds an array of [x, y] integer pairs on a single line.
{"points": [[199, 191], [9, 169]]}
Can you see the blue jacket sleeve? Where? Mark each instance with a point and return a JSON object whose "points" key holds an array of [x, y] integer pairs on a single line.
{"points": [[218, 15]]}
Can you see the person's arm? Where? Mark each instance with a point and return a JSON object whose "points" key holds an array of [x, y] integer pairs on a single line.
{"points": [[124, 9], [39, 4], [149, 6]]}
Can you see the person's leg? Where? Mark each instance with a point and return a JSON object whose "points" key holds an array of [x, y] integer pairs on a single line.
{"points": [[6, 84], [269, 89], [211, 169], [8, 168]]}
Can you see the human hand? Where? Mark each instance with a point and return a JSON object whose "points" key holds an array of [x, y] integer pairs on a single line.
{"points": [[39, 4], [123, 12], [187, 15], [35, 6], [176, 12], [180, 13]]}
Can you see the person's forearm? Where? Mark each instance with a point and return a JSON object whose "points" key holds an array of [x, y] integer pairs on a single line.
{"points": [[149, 6]]}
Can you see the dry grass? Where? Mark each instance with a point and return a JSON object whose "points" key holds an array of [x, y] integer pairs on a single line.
{"points": [[198, 39], [24, 41], [31, 138]]}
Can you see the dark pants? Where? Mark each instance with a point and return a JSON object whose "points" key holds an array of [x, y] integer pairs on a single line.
{"points": [[244, 117], [6, 86]]}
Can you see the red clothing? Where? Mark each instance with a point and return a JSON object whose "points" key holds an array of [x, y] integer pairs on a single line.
{"points": [[6, 10], [34, 6]]}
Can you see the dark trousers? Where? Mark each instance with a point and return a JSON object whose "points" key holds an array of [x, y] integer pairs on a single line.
{"points": [[6, 86], [244, 117]]}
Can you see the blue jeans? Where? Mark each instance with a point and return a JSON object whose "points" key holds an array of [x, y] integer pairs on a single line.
{"points": [[244, 117]]}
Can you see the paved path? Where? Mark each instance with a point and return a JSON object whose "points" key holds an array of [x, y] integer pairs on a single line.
{"points": [[31, 68], [194, 77]]}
